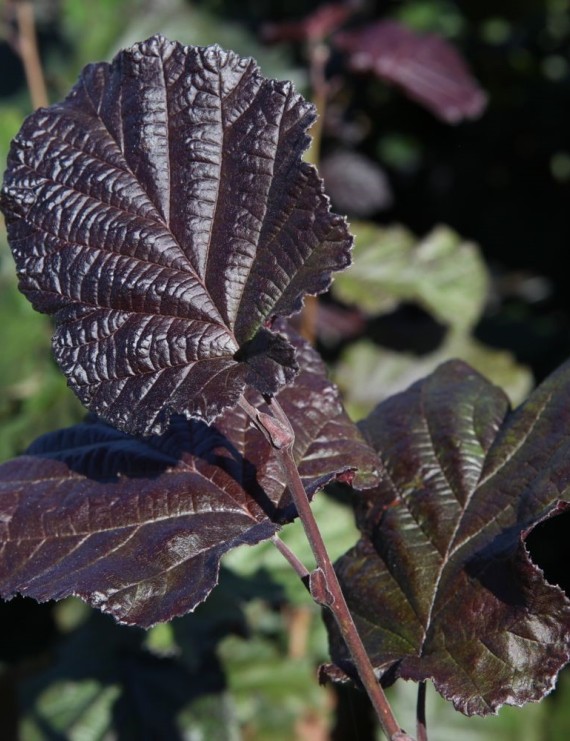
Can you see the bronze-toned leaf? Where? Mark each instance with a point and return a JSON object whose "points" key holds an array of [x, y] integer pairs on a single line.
{"points": [[442, 583], [162, 214]]}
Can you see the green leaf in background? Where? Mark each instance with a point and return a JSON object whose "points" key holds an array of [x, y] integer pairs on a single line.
{"points": [[272, 675], [445, 276], [368, 374], [441, 273], [108, 680], [76, 710], [439, 16], [10, 121], [96, 26], [34, 397], [274, 693], [547, 720], [444, 723]]}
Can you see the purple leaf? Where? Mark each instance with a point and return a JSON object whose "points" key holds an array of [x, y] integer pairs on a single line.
{"points": [[426, 67], [163, 216], [138, 527], [441, 583]]}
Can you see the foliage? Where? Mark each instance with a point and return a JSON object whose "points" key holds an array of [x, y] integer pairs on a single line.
{"points": [[441, 273], [33, 395], [465, 485], [368, 373], [122, 522], [427, 67], [165, 665], [444, 276], [165, 308], [135, 683]]}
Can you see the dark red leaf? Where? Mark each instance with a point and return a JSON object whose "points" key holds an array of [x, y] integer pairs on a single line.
{"points": [[163, 216], [441, 584], [425, 66], [138, 527]]}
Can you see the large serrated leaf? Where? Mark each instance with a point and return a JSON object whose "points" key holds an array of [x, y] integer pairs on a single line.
{"points": [[138, 527], [441, 583], [163, 216]]}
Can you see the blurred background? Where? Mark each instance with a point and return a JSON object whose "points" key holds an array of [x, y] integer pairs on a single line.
{"points": [[445, 137]]}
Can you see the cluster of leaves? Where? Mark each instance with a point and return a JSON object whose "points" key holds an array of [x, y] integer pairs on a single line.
{"points": [[158, 513], [117, 519], [162, 313], [441, 274]]}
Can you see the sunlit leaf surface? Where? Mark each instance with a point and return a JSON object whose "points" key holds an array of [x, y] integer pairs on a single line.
{"points": [[442, 583], [163, 216], [138, 527]]}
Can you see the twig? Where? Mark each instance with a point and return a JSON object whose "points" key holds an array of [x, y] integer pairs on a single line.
{"points": [[28, 50], [298, 567], [324, 585], [299, 618], [421, 728], [309, 317]]}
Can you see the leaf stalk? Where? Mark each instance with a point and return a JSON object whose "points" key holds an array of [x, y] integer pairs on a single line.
{"points": [[298, 567]]}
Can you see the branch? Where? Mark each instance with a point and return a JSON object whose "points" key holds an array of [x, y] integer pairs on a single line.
{"points": [[323, 582], [296, 564], [28, 50]]}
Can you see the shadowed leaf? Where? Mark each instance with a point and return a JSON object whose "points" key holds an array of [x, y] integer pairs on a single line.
{"points": [[355, 184], [137, 527], [441, 583], [163, 216], [426, 67], [103, 682]]}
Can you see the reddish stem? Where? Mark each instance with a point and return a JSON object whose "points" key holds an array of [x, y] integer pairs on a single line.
{"points": [[324, 584], [294, 562]]}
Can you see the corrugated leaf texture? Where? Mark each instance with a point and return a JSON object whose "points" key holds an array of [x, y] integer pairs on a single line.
{"points": [[426, 67], [138, 527], [442, 583], [162, 214]]}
